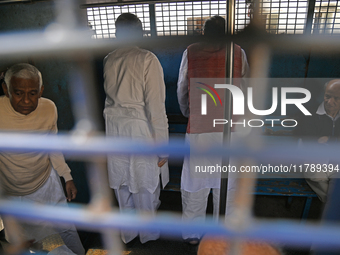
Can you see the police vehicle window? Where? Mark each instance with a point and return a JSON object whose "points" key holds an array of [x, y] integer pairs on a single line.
{"points": [[187, 18], [326, 17], [102, 19]]}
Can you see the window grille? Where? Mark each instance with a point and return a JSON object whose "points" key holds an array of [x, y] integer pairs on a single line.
{"points": [[186, 18], [242, 14], [326, 17], [102, 19], [279, 16]]}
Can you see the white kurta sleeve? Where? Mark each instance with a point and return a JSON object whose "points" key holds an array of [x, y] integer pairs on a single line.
{"points": [[182, 86], [154, 96], [245, 66], [245, 71]]}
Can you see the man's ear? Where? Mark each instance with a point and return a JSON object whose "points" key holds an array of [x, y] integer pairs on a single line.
{"points": [[41, 90], [4, 88]]}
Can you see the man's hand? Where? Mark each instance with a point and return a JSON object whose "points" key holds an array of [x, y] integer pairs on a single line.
{"points": [[323, 139], [71, 190], [162, 161]]}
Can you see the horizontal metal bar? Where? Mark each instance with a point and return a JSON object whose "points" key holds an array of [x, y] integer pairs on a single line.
{"points": [[279, 231], [101, 145], [58, 42]]}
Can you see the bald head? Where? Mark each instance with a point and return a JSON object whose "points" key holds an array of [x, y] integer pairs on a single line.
{"points": [[332, 97]]}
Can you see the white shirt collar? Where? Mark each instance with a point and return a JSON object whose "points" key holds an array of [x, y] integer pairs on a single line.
{"points": [[321, 111]]}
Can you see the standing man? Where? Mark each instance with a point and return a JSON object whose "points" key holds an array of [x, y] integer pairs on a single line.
{"points": [[135, 109], [34, 176], [203, 60], [323, 128]]}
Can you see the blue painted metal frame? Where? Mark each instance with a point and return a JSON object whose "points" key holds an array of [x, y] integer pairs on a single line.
{"points": [[287, 187]]}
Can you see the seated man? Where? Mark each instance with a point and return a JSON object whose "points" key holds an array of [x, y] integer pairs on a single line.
{"points": [[34, 176], [324, 128]]}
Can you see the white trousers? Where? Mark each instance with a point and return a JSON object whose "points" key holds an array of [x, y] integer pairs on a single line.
{"points": [[143, 201], [194, 205], [50, 193]]}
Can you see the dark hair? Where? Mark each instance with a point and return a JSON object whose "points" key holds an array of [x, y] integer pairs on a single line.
{"points": [[214, 27], [128, 25]]}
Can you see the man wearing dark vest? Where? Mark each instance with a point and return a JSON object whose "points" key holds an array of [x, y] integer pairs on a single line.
{"points": [[204, 60]]}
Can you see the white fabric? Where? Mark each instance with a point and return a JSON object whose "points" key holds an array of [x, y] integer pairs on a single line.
{"points": [[188, 183], [194, 206], [143, 201], [135, 109], [61, 250], [191, 181], [51, 193], [195, 188]]}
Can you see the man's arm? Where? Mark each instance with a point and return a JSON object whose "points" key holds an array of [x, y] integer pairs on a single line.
{"points": [[59, 164], [154, 96], [182, 86]]}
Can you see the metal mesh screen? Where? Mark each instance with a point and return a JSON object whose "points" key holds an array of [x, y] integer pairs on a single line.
{"points": [[278, 16], [242, 15], [102, 19], [186, 18], [326, 17]]}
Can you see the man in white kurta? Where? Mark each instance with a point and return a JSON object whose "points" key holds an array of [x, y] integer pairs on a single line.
{"points": [[195, 189], [34, 176], [135, 109]]}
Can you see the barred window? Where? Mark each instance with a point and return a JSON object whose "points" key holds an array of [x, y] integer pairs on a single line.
{"points": [[326, 17], [187, 18], [278, 16], [102, 19], [242, 14]]}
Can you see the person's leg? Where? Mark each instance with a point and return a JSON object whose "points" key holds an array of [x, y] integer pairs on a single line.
{"points": [[126, 204], [148, 202], [194, 206], [72, 241], [216, 203], [232, 186]]}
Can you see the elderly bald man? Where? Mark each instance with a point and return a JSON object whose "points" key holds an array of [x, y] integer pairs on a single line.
{"points": [[323, 127], [34, 176]]}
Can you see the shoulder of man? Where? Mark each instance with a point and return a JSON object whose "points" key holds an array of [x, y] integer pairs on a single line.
{"points": [[47, 106]]}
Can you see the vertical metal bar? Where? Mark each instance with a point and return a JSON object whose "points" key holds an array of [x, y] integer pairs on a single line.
{"points": [[152, 15], [310, 14], [228, 101], [67, 16]]}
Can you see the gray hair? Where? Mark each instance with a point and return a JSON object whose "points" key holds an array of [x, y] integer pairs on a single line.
{"points": [[24, 71]]}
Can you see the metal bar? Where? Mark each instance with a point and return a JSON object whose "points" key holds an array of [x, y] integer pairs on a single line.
{"points": [[152, 20], [66, 43], [229, 64], [92, 146], [280, 231], [310, 15]]}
